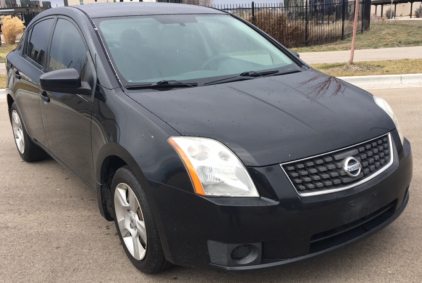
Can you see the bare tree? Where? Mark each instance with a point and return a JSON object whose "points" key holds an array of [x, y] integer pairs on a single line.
{"points": [[198, 2], [355, 27]]}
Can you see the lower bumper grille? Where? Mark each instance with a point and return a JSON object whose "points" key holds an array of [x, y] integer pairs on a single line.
{"points": [[326, 173], [339, 235]]}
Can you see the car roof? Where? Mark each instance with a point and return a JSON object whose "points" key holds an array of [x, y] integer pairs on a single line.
{"points": [[119, 9]]}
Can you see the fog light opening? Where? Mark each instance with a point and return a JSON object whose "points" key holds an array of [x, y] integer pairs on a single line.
{"points": [[241, 252], [244, 254]]}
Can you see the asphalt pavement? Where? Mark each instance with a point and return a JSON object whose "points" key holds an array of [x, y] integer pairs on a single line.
{"points": [[51, 230]]}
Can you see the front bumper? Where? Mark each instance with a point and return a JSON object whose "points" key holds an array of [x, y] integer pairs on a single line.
{"points": [[283, 226]]}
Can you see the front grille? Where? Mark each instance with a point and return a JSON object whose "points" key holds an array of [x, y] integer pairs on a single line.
{"points": [[325, 173]]}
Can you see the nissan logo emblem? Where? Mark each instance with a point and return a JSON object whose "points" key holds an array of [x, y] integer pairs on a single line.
{"points": [[352, 166]]}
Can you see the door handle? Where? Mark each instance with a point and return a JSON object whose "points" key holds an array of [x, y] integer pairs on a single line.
{"points": [[44, 96], [17, 75]]}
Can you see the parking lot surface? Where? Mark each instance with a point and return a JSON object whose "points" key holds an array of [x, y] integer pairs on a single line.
{"points": [[51, 230]]}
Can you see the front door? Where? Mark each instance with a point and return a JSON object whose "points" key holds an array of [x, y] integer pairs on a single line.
{"points": [[67, 117]]}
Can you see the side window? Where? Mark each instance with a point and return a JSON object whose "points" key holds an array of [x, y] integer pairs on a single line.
{"points": [[67, 48], [38, 40]]}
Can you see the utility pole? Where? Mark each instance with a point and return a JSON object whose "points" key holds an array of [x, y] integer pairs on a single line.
{"points": [[355, 27]]}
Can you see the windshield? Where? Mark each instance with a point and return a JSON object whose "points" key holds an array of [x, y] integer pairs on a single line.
{"points": [[188, 48]]}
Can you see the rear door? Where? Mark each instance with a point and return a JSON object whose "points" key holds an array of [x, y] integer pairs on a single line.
{"points": [[67, 117], [25, 71]]}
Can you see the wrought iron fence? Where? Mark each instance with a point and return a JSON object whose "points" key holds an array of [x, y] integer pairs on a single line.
{"points": [[308, 24]]}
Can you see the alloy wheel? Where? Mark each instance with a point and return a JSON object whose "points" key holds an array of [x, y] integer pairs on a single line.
{"points": [[18, 132], [130, 221]]}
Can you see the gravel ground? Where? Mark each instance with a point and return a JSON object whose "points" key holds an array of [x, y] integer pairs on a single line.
{"points": [[51, 230]]}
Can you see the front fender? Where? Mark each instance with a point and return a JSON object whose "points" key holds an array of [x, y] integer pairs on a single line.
{"points": [[109, 150], [114, 149]]}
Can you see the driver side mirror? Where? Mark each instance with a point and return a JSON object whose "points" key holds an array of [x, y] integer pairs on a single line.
{"points": [[65, 81], [296, 54]]}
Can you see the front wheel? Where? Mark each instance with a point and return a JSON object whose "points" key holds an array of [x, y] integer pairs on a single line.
{"points": [[135, 223]]}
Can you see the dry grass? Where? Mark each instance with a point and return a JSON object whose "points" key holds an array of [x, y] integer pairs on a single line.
{"points": [[11, 27], [381, 35], [292, 33], [2, 81], [372, 68], [4, 50]]}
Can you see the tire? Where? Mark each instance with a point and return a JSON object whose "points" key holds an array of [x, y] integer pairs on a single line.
{"points": [[130, 207], [27, 149]]}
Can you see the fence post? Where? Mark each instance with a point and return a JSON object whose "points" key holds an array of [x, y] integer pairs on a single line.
{"points": [[362, 8], [306, 23], [253, 12], [343, 16]]}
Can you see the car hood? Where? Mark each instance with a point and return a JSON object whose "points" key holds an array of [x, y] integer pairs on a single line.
{"points": [[273, 119]]}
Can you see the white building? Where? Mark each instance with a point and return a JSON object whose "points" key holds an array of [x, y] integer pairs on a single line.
{"points": [[403, 9]]}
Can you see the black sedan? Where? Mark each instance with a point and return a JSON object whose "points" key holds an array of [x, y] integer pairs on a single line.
{"points": [[206, 141]]}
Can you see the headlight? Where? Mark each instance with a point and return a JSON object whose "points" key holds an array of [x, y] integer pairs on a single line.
{"points": [[213, 168], [386, 107]]}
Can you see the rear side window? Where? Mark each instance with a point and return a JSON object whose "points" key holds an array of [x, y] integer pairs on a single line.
{"points": [[68, 49], [38, 41]]}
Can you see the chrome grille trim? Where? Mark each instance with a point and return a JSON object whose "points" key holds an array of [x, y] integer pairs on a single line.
{"points": [[343, 188]]}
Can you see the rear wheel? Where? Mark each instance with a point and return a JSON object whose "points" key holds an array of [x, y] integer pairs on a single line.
{"points": [[135, 223], [27, 149]]}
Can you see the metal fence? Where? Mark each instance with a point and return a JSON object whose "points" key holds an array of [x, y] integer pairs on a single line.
{"points": [[303, 25]]}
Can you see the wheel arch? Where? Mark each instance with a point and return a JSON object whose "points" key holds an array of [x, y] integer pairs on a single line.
{"points": [[110, 158], [10, 101]]}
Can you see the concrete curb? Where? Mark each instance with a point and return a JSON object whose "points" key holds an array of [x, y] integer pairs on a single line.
{"points": [[385, 81]]}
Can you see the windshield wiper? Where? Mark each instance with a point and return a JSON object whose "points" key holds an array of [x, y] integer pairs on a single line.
{"points": [[162, 84], [258, 74], [286, 73], [244, 76], [229, 80]]}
